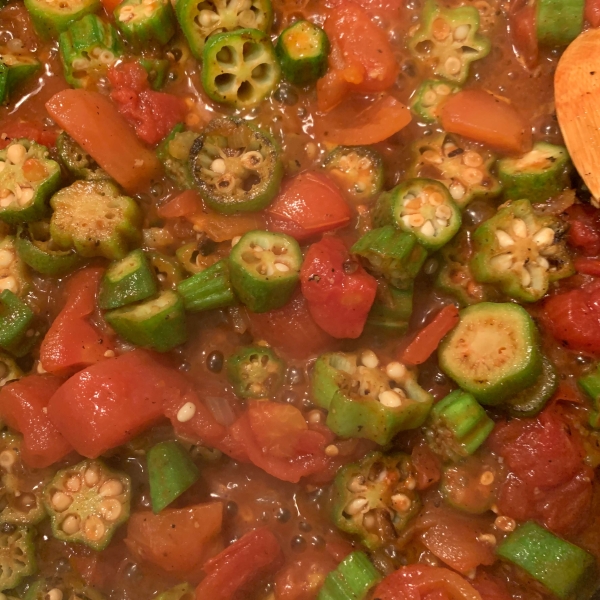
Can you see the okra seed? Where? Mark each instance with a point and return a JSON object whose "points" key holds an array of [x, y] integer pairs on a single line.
{"points": [[472, 175], [357, 484], [54, 594], [429, 98], [281, 267], [94, 528], [252, 159], [61, 501], [218, 166], [453, 65], [428, 229], [543, 262], [505, 523], [395, 371], [519, 228], [186, 412], [71, 525], [433, 157], [332, 450], [525, 278], [16, 153], [91, 477], [440, 30], [502, 262], [73, 484], [390, 399], [314, 416], [369, 359], [112, 487], [401, 502], [111, 509], [8, 199], [410, 483], [26, 196], [472, 159], [504, 239], [487, 538], [461, 32], [369, 521], [457, 191], [207, 18], [235, 240], [544, 237], [356, 506], [487, 478], [7, 459]]}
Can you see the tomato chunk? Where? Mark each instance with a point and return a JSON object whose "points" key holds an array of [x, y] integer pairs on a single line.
{"points": [[584, 229], [183, 205], [592, 12], [32, 130], [301, 579], [522, 28]]}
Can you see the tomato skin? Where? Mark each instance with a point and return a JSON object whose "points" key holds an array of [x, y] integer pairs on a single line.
{"points": [[339, 302], [183, 205], [301, 579], [592, 12], [176, 540], [109, 403], [427, 465], [584, 229], [489, 587], [23, 406], [587, 266], [521, 18], [254, 555], [31, 130]]}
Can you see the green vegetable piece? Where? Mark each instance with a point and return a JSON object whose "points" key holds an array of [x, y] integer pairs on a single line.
{"points": [[255, 372], [429, 98], [302, 50], [520, 252], [559, 22], [70, 587], [395, 255], [493, 352], [448, 40], [167, 269], [391, 310], [171, 472], [174, 154], [15, 68], [590, 385], [145, 23], [208, 289], [51, 18], [157, 70], [358, 171], [377, 490], [197, 256], [37, 250], [236, 167], [16, 320], [158, 323], [9, 370], [264, 269], [470, 485], [563, 568], [463, 169], [240, 68], [87, 49], [27, 179], [199, 21], [87, 502], [17, 557], [183, 591], [457, 426], [128, 280], [77, 161], [539, 174], [95, 219], [530, 401], [14, 274], [351, 580]]}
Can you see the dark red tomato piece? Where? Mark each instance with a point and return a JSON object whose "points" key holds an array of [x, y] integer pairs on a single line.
{"points": [[592, 12], [584, 229], [252, 557], [427, 465], [32, 130], [521, 18], [153, 114], [587, 266], [183, 205], [308, 204], [111, 402], [339, 291], [72, 342], [23, 405], [489, 587], [302, 578]]}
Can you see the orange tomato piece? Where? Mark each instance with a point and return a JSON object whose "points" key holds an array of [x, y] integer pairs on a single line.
{"points": [[186, 204], [220, 228]]}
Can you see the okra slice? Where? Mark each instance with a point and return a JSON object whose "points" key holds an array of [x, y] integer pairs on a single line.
{"points": [[95, 219], [264, 268], [143, 23], [36, 249], [174, 154], [430, 96], [87, 502], [255, 372], [358, 170], [236, 166], [531, 401], [9, 370], [532, 548], [302, 50], [392, 309], [539, 174], [352, 579], [128, 280], [198, 21], [208, 289], [14, 275], [51, 18], [27, 179], [167, 269], [520, 252], [493, 352], [17, 556], [157, 70], [15, 68], [375, 498], [590, 385], [158, 323], [457, 426], [239, 68], [395, 255], [16, 321], [77, 161], [88, 48], [462, 168], [197, 256], [20, 495], [183, 591], [558, 22], [448, 40]]}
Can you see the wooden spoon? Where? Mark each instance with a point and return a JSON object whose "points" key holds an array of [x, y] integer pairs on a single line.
{"points": [[577, 96]]}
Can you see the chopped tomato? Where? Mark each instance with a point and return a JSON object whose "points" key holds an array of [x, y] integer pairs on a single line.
{"points": [[522, 29], [339, 291], [592, 12], [176, 540], [427, 465], [110, 5], [23, 405], [112, 401], [302, 578], [183, 205], [428, 339], [153, 114], [587, 266], [221, 228], [309, 203], [490, 588], [584, 229], [32, 130], [253, 556], [72, 342]]}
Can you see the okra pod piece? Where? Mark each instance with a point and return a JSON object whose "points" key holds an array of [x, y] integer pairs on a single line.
{"points": [[558, 22], [197, 256], [392, 309], [532, 400], [157, 70], [9, 370], [95, 219], [14, 274], [208, 289], [87, 502], [378, 490], [16, 320], [470, 485], [351, 580], [15, 68], [17, 560], [52, 18], [255, 372], [77, 161], [158, 323], [167, 269], [264, 268], [590, 385], [430, 96], [143, 23], [174, 154]]}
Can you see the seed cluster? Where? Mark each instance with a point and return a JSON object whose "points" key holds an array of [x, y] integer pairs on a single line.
{"points": [[141, 10], [15, 187], [427, 211], [9, 265], [269, 260]]}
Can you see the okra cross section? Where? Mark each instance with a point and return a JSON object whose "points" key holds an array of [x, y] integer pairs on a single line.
{"points": [[392, 309], [145, 21], [430, 97], [17, 556], [208, 289], [15, 68], [376, 497], [255, 372], [76, 160], [51, 17], [13, 272], [521, 252], [351, 580], [87, 502], [16, 321], [174, 154], [590, 384]]}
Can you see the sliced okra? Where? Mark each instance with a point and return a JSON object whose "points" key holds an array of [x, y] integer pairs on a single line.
{"points": [[145, 21], [590, 385], [197, 256], [430, 96], [17, 556], [255, 372], [14, 276], [51, 18], [392, 309], [77, 161], [531, 401], [167, 269], [157, 70], [16, 324], [208, 289], [9, 370], [15, 68], [174, 154]]}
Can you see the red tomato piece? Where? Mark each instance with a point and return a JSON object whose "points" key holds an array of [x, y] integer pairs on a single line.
{"points": [[23, 406], [309, 203], [489, 587], [183, 205], [592, 12], [176, 540], [32, 130], [253, 556], [427, 465], [72, 342], [584, 229], [339, 291], [111, 402], [521, 19], [587, 266], [301, 579]]}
